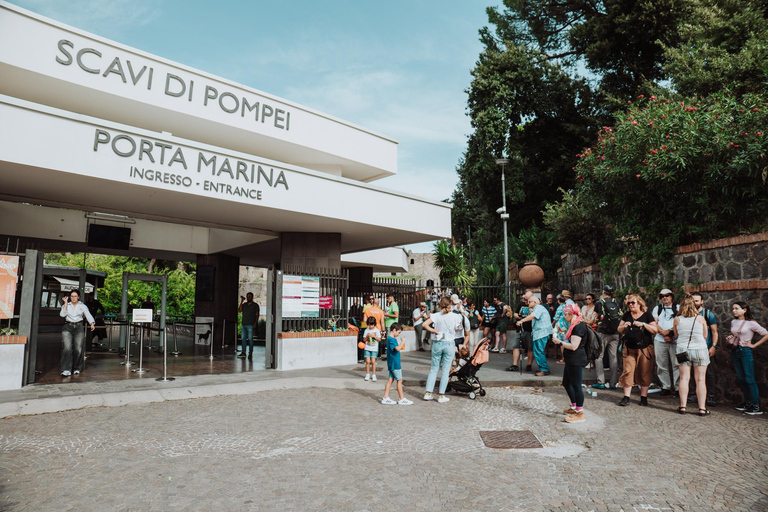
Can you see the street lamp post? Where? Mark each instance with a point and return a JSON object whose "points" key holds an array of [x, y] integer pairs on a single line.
{"points": [[504, 217]]}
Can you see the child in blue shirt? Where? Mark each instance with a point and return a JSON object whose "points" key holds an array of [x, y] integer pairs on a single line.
{"points": [[394, 346]]}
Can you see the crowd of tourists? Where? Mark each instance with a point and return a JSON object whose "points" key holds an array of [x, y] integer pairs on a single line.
{"points": [[666, 348]]}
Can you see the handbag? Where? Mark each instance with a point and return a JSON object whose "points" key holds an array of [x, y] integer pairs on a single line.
{"points": [[635, 338], [682, 357], [732, 340]]}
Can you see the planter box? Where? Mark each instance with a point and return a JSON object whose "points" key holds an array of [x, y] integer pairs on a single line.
{"points": [[11, 361], [321, 334], [315, 349]]}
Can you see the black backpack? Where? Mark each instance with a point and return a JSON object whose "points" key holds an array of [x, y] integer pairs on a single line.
{"points": [[593, 344], [611, 315]]}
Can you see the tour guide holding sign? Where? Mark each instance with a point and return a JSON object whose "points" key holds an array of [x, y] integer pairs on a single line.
{"points": [[73, 331]]}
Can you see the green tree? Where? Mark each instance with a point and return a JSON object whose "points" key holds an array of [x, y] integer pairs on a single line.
{"points": [[671, 173], [180, 298]]}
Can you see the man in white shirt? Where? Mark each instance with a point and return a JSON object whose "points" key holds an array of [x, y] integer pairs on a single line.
{"points": [[664, 345], [418, 316], [72, 334]]}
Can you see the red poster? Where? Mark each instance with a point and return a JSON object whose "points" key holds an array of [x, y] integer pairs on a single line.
{"points": [[9, 276], [326, 302]]}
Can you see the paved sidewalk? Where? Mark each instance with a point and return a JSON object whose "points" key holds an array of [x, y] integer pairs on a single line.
{"points": [[44, 398], [340, 449]]}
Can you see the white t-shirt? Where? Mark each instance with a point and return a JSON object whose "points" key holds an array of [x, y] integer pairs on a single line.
{"points": [[665, 319], [371, 344], [447, 325], [416, 316]]}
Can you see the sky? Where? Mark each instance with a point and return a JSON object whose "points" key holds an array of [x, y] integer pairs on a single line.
{"points": [[399, 68]]}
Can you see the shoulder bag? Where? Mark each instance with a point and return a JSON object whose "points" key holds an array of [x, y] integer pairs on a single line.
{"points": [[682, 357], [732, 340]]}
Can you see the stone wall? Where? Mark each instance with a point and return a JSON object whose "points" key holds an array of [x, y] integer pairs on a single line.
{"points": [[723, 271]]}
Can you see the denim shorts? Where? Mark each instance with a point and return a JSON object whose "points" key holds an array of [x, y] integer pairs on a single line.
{"points": [[370, 353], [396, 374]]}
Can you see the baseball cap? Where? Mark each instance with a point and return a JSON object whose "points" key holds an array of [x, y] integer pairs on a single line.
{"points": [[666, 291], [455, 299]]}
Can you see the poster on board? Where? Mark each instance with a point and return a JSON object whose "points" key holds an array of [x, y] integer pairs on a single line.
{"points": [[9, 277], [301, 297]]}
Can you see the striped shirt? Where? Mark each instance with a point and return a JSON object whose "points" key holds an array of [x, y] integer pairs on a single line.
{"points": [[489, 313]]}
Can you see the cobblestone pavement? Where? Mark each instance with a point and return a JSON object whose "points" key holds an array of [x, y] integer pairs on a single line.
{"points": [[339, 449]]}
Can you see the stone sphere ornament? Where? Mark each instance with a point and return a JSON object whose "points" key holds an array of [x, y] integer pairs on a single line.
{"points": [[531, 275]]}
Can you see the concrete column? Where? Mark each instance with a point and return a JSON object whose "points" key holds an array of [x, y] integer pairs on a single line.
{"points": [[29, 310], [226, 274], [314, 250]]}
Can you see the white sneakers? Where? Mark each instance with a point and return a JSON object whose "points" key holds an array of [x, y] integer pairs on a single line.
{"points": [[77, 372], [442, 399], [66, 373], [367, 376], [389, 401], [373, 378]]}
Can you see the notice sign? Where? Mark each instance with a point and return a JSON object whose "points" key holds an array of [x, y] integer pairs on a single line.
{"points": [[203, 330], [326, 302], [9, 277], [301, 297], [142, 316]]}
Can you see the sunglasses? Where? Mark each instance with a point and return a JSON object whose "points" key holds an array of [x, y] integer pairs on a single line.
{"points": [[631, 303], [665, 295]]}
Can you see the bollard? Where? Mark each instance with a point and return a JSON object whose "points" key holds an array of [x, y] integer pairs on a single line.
{"points": [[128, 361], [141, 369], [165, 378], [212, 356], [109, 336], [175, 346]]}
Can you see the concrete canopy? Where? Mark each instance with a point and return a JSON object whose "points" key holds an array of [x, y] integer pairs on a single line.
{"points": [[55, 158]]}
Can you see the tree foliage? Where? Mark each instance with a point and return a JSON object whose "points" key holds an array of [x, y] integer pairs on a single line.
{"points": [[671, 173], [553, 72], [180, 298]]}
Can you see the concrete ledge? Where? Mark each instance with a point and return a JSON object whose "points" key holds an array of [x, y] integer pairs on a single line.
{"points": [[302, 353], [11, 364]]}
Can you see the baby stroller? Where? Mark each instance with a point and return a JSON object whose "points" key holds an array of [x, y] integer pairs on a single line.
{"points": [[465, 380]]}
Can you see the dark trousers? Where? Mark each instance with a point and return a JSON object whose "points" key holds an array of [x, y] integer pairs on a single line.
{"points": [[72, 342], [359, 339], [711, 381], [572, 375]]}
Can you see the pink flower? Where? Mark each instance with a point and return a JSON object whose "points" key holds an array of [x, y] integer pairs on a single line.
{"points": [[634, 122], [637, 175]]}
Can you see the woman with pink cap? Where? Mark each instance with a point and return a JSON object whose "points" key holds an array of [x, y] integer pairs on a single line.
{"points": [[575, 357]]}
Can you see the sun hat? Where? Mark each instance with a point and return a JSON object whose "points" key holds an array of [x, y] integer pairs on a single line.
{"points": [[455, 299]]}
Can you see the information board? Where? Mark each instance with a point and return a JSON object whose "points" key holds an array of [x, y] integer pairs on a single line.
{"points": [[9, 277], [143, 316], [301, 297]]}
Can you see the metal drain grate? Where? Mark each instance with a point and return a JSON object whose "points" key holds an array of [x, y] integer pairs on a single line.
{"points": [[506, 439]]}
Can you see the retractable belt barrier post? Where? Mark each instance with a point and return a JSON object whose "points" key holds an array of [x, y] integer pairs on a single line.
{"points": [[165, 378], [212, 357], [175, 346], [128, 361], [141, 368]]}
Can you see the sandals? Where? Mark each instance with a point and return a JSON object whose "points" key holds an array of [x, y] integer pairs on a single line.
{"points": [[681, 410], [704, 412]]}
